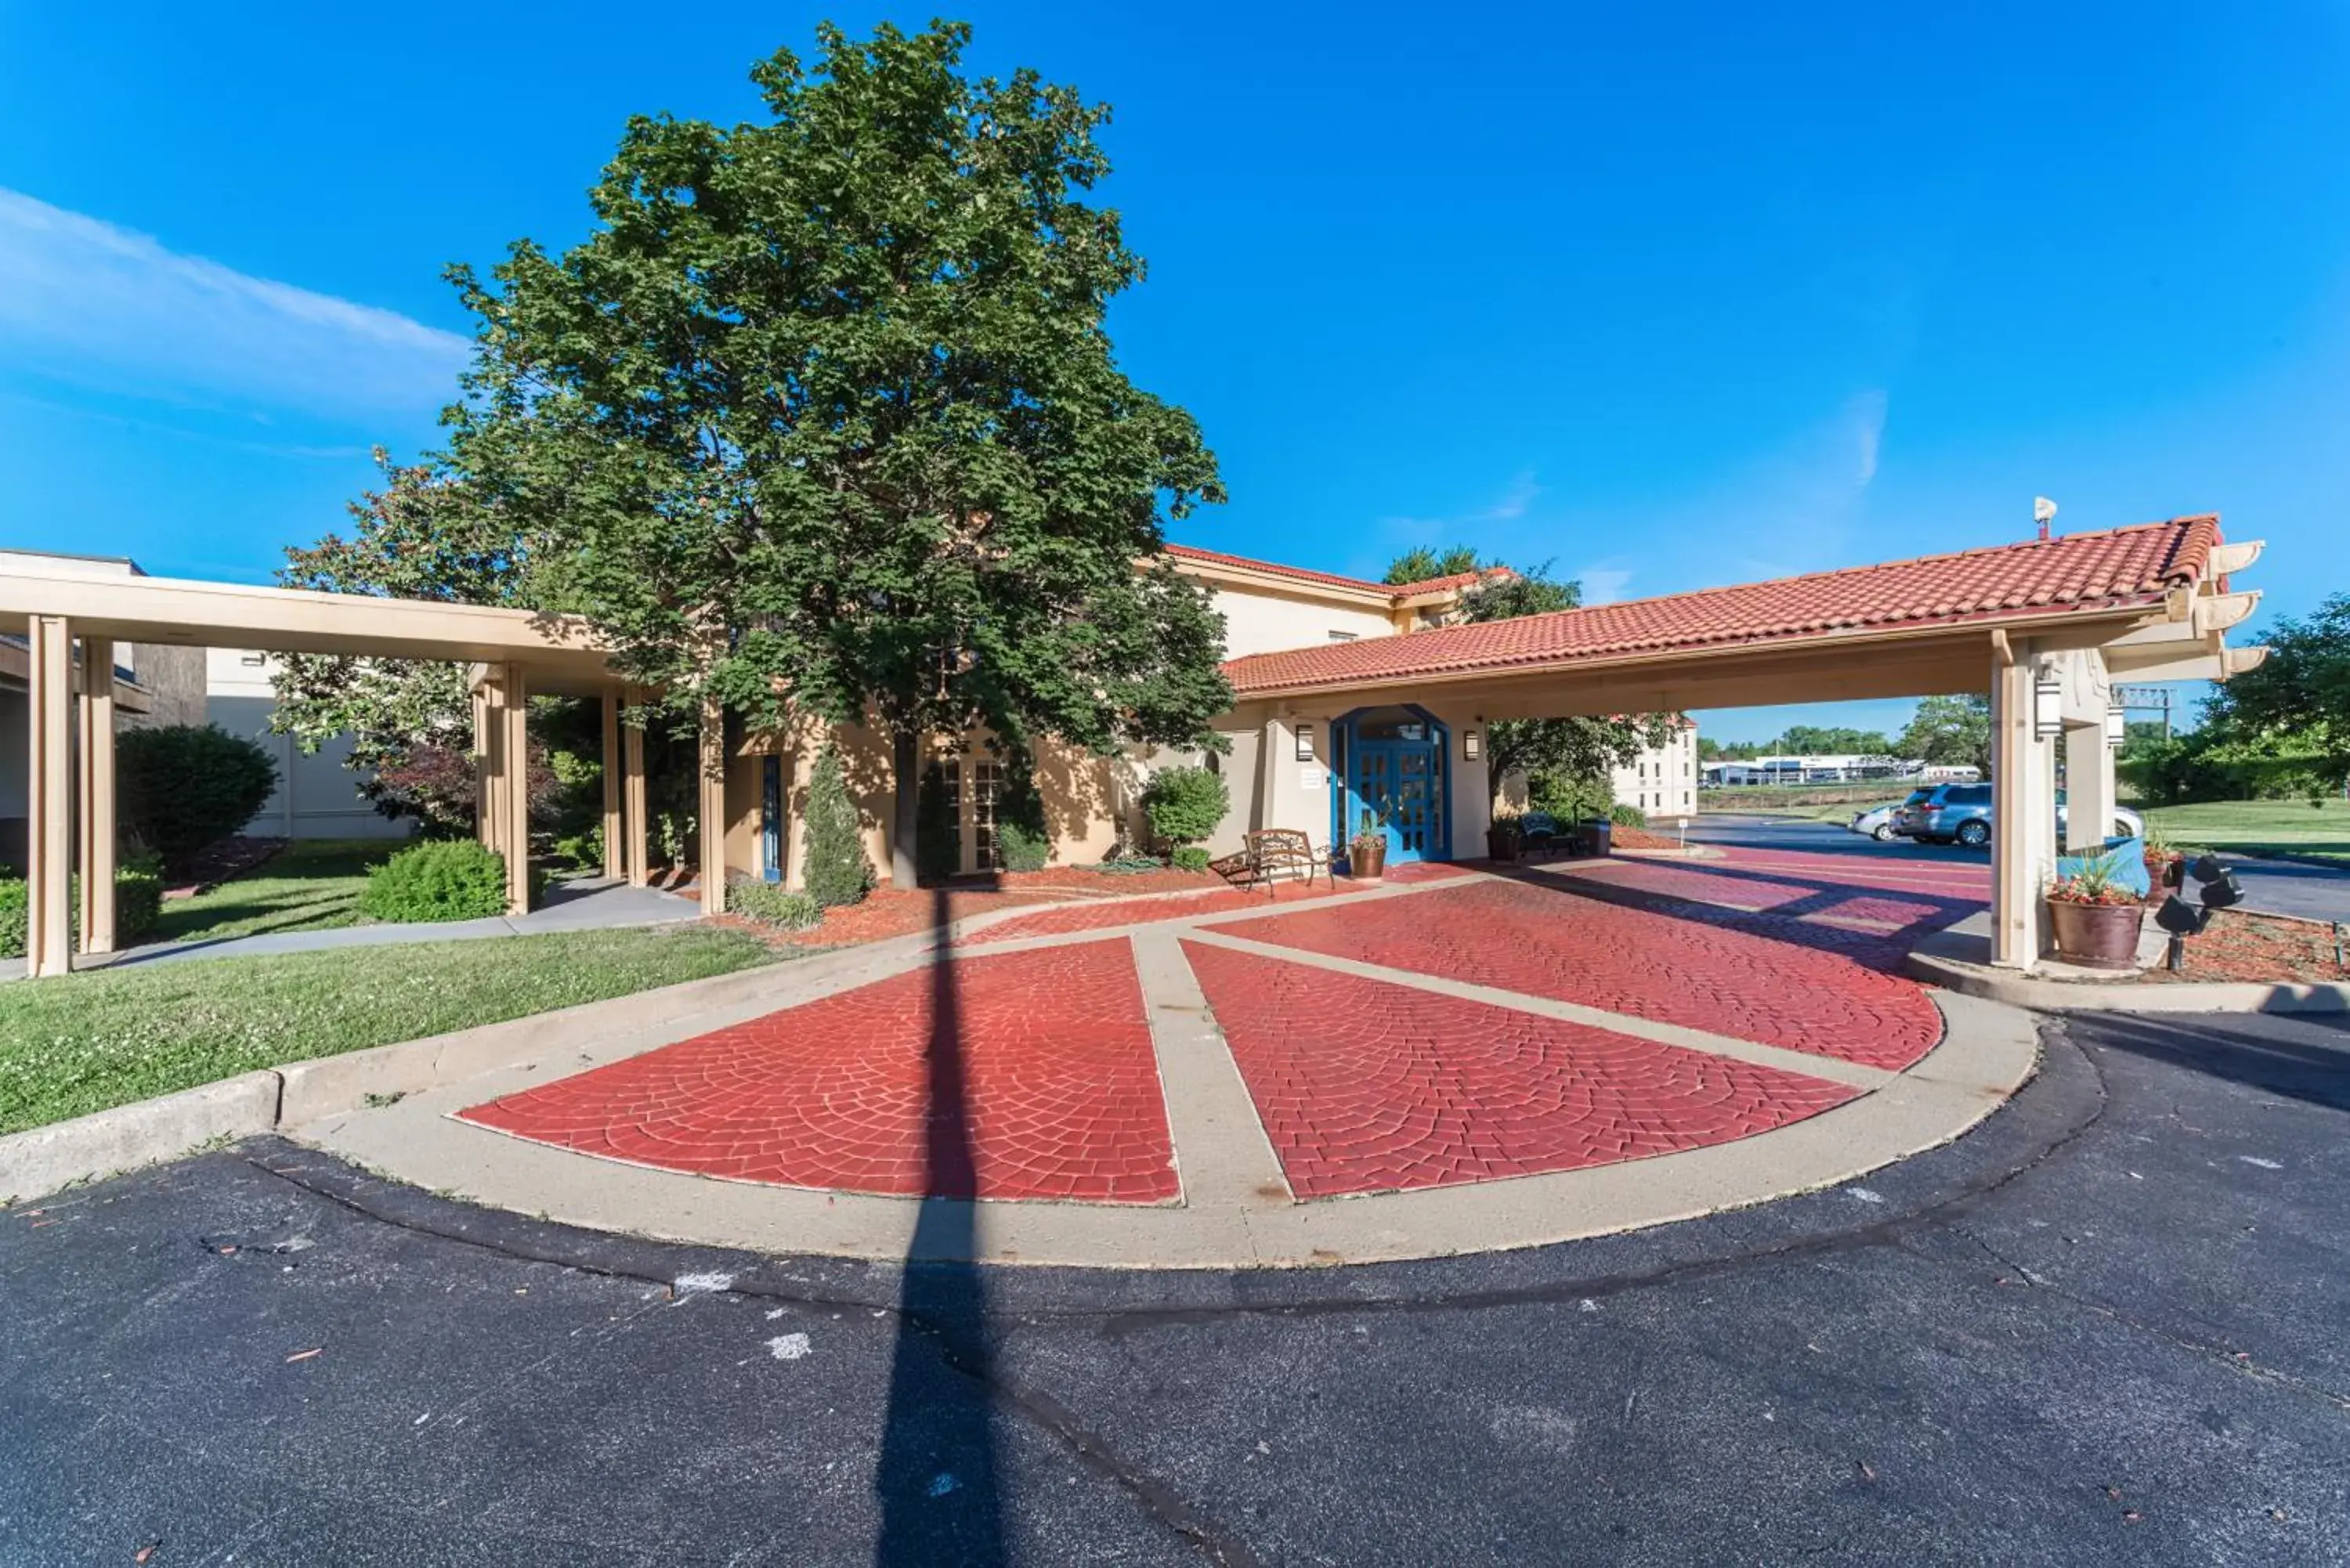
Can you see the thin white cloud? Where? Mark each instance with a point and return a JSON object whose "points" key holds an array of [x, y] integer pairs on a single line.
{"points": [[1467, 527], [1604, 584], [87, 299]]}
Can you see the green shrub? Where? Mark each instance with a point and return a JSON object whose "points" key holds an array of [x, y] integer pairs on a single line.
{"points": [[1623, 816], [138, 904], [770, 903], [938, 827], [1023, 841], [837, 871], [183, 786], [1189, 857], [440, 880], [1185, 805]]}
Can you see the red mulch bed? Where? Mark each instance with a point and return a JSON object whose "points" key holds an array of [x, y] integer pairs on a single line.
{"points": [[2262, 948], [1641, 838], [218, 863], [887, 912]]}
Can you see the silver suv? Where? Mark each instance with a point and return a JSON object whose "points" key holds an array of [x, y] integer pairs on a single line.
{"points": [[1960, 814]]}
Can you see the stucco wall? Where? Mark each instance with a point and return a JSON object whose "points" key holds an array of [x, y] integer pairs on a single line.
{"points": [[1262, 622], [316, 795]]}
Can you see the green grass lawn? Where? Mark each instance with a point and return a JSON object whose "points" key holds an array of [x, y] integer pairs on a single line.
{"points": [[83, 1042], [310, 885], [2253, 827]]}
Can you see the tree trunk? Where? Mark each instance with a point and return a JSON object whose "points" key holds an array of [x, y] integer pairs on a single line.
{"points": [[904, 765]]}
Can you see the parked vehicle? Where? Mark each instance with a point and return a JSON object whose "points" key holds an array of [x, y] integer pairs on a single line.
{"points": [[1876, 823], [1960, 814]]}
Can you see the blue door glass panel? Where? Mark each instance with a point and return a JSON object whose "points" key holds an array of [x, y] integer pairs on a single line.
{"points": [[771, 817], [1402, 780]]}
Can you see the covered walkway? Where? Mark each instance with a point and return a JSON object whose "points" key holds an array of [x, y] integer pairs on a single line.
{"points": [[2045, 627]]}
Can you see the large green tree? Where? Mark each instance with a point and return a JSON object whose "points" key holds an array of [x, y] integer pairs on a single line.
{"points": [[824, 415], [1950, 731], [2302, 690], [1583, 748]]}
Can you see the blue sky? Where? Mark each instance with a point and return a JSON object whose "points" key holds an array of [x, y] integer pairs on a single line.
{"points": [[1669, 300]]}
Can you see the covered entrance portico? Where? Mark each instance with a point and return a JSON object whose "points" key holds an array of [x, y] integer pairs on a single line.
{"points": [[2043, 627], [1389, 774], [71, 622]]}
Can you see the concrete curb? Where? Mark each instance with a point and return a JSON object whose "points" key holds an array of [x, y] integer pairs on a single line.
{"points": [[42, 1161], [2128, 996]]}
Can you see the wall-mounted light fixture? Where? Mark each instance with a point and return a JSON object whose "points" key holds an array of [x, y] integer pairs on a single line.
{"points": [[1304, 741], [2117, 726], [1472, 744], [2047, 705]]}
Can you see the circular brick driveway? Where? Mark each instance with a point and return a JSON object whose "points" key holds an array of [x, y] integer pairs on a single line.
{"points": [[1474, 1060]]}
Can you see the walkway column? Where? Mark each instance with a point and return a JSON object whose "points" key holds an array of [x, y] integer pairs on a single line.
{"points": [[2089, 793], [95, 714], [513, 829], [615, 848], [637, 830], [48, 802], [485, 769], [2023, 815], [710, 814]]}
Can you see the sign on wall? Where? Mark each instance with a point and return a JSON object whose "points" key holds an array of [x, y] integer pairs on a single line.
{"points": [[1314, 778]]}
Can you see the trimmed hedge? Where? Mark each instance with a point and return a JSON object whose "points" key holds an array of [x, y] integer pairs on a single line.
{"points": [[1623, 816], [138, 904], [1186, 804], [440, 879], [1189, 857], [837, 871], [183, 786], [771, 905]]}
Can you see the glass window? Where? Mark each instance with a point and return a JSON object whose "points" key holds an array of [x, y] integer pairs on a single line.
{"points": [[986, 786]]}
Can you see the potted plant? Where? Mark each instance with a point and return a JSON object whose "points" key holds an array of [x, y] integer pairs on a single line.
{"points": [[2095, 917], [1504, 838], [1366, 851], [2164, 863]]}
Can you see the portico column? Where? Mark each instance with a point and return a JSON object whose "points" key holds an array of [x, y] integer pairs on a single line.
{"points": [[485, 769], [48, 805], [2023, 815], [615, 847], [514, 789], [95, 713], [636, 829], [710, 817]]}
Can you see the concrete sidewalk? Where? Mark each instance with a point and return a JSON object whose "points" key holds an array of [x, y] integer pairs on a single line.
{"points": [[588, 903]]}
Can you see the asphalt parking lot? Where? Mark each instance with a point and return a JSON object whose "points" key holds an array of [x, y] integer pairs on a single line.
{"points": [[2104, 1327]]}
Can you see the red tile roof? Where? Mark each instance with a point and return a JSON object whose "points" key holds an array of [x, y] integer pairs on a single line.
{"points": [[1391, 591], [2116, 569]]}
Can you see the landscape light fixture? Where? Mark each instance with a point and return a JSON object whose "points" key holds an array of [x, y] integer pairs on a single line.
{"points": [[2048, 704], [1304, 743], [2220, 890], [1473, 745]]}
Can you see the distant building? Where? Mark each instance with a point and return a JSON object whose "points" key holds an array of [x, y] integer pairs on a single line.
{"points": [[1662, 780], [316, 795]]}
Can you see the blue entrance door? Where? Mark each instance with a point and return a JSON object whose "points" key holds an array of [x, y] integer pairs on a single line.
{"points": [[1400, 778]]}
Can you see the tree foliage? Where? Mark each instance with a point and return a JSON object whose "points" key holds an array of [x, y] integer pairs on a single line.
{"points": [[1582, 749], [1950, 732], [1420, 564], [823, 414], [428, 533], [2300, 694]]}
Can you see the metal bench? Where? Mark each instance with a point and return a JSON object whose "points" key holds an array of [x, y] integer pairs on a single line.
{"points": [[1273, 855]]}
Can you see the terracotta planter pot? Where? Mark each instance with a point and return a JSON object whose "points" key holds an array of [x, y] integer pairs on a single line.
{"points": [[1500, 844], [2099, 936], [1367, 859]]}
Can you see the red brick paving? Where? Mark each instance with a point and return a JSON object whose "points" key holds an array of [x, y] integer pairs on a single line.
{"points": [[1145, 912], [1368, 1086], [1804, 987], [1059, 1086], [1741, 886]]}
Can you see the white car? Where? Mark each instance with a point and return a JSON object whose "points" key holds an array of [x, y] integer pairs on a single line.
{"points": [[1876, 823]]}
